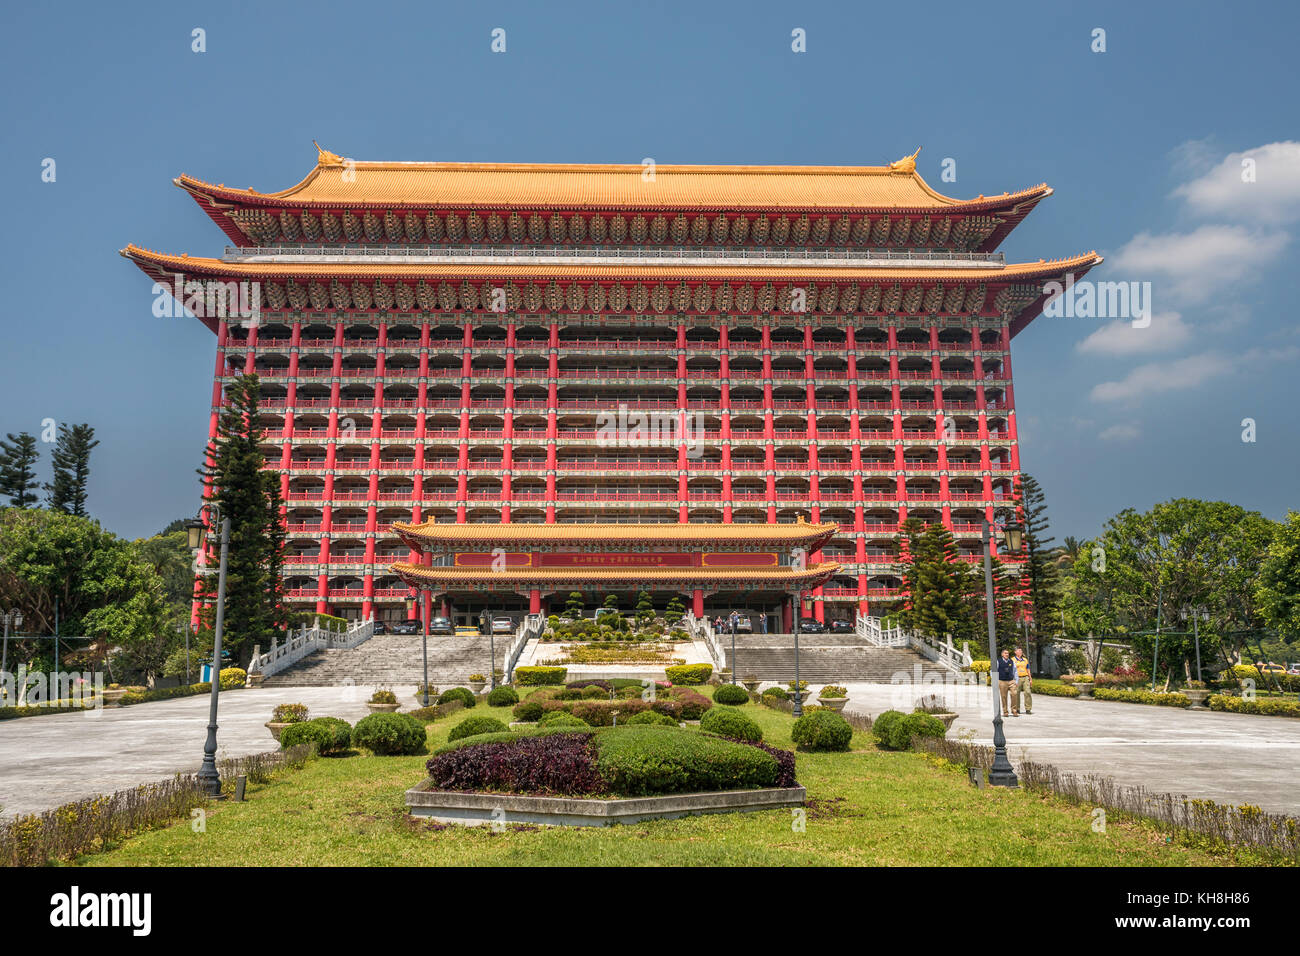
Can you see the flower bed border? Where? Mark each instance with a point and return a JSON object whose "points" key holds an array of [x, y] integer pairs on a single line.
{"points": [[476, 809]]}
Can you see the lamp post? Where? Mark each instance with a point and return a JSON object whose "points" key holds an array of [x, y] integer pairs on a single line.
{"points": [[209, 778], [798, 690], [1001, 774], [410, 611], [14, 617], [733, 646], [1197, 614]]}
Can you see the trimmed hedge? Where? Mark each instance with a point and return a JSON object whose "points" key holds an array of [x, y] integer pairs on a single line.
{"points": [[560, 763], [232, 677], [779, 693], [895, 730], [1141, 697], [642, 761], [729, 722], [1053, 689], [528, 710], [652, 718], [473, 726], [689, 673], [389, 734], [503, 696], [562, 718], [168, 693], [539, 676], [730, 694], [331, 735], [883, 726], [821, 730], [1263, 706], [462, 694]]}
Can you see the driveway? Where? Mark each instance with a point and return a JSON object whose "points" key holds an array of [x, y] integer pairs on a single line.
{"points": [[51, 760], [1229, 758]]}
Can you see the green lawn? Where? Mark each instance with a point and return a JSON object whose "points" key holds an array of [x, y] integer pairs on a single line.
{"points": [[866, 807]]}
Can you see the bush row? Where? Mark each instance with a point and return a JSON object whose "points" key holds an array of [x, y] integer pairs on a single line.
{"points": [[1051, 689], [689, 673], [331, 735], [540, 676], [1141, 697], [1265, 706]]}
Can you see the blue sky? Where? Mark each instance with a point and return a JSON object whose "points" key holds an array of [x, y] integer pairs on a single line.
{"points": [[1143, 144]]}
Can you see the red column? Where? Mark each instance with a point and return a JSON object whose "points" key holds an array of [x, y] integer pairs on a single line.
{"points": [[534, 601], [697, 602]]}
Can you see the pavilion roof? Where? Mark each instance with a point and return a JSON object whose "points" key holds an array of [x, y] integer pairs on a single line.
{"points": [[680, 533], [335, 182]]}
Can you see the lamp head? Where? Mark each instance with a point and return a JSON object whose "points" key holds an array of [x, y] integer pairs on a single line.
{"points": [[194, 531]]}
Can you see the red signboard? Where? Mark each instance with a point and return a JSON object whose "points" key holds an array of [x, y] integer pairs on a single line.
{"points": [[610, 559]]}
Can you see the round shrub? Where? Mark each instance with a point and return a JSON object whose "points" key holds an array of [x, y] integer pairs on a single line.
{"points": [[653, 718], [331, 735], [731, 694], [729, 722], [462, 694], [884, 725], [689, 673], [388, 734], [778, 693], [562, 718], [528, 711], [473, 726], [503, 696], [232, 677], [822, 730], [914, 725], [383, 697], [595, 693]]}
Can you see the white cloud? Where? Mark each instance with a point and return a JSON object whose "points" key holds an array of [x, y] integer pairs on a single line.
{"points": [[1120, 432], [1270, 193], [1166, 332], [1190, 267], [1180, 374]]}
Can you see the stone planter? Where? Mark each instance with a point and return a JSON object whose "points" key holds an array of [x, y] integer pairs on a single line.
{"points": [[255, 679], [381, 708], [1197, 697], [751, 685], [1085, 689], [476, 686], [111, 697], [277, 727], [834, 703], [947, 720]]}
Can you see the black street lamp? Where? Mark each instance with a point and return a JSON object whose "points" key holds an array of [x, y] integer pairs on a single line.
{"points": [[797, 711], [1001, 774], [14, 617], [410, 612], [1197, 614], [209, 778], [733, 647]]}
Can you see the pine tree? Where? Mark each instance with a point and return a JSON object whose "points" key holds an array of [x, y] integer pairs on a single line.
{"points": [[939, 585], [249, 496], [71, 461], [645, 609], [574, 606], [1041, 575], [18, 469]]}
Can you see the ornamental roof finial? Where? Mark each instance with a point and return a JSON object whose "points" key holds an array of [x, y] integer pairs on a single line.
{"points": [[325, 157], [905, 165]]}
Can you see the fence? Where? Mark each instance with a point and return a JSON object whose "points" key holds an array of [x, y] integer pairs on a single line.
{"points": [[307, 641]]}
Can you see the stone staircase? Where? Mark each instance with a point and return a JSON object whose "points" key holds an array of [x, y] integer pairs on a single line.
{"points": [[394, 660], [823, 658]]}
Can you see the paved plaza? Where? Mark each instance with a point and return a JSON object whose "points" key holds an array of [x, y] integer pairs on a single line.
{"points": [[47, 761]]}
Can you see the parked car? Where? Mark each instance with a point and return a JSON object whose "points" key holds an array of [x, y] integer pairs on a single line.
{"points": [[380, 627], [406, 627], [842, 627], [1294, 669], [503, 625], [810, 625], [441, 625]]}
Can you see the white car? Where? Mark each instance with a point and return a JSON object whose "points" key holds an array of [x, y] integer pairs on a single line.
{"points": [[503, 625]]}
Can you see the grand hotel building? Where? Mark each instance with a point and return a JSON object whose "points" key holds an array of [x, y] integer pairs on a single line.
{"points": [[437, 344]]}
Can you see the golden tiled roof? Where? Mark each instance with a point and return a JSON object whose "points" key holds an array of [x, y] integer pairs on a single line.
{"points": [[750, 576], [736, 272], [675, 533], [339, 182]]}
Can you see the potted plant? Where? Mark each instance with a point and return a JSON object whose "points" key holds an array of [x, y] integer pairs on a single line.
{"points": [[284, 715], [476, 683], [800, 686], [1197, 693], [833, 696], [382, 701], [751, 682], [1085, 684], [935, 706], [112, 694], [419, 695]]}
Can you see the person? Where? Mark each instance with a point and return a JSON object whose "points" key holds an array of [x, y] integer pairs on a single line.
{"points": [[1007, 684], [762, 622], [1024, 681], [735, 620], [717, 624]]}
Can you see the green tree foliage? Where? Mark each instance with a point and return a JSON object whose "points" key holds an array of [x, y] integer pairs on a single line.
{"points": [[249, 495], [1186, 552], [1040, 574], [940, 586], [645, 609], [1278, 589], [574, 606], [18, 458], [71, 462], [103, 588]]}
